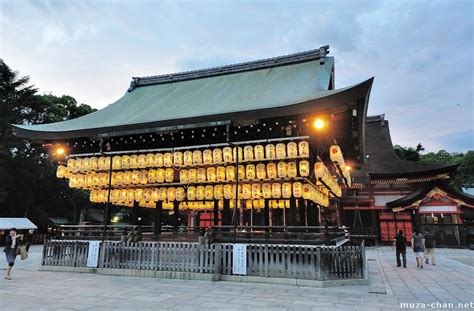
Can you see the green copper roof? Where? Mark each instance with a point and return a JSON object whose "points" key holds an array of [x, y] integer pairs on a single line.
{"points": [[250, 90]]}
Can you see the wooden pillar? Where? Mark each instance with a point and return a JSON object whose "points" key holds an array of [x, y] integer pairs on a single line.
{"points": [[216, 213], [135, 213], [226, 213], [158, 217], [310, 211], [292, 213], [175, 216]]}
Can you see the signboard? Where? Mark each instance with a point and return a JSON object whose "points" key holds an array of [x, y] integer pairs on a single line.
{"points": [[239, 259], [93, 255]]}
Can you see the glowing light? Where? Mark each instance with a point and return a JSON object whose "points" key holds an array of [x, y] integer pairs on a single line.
{"points": [[60, 151], [319, 124], [348, 168]]}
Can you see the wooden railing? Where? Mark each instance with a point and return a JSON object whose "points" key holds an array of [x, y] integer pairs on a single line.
{"points": [[285, 261]]}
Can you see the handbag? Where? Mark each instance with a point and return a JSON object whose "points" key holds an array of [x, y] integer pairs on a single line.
{"points": [[23, 252]]}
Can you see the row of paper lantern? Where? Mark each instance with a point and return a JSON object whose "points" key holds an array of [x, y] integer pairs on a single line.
{"points": [[191, 158], [208, 205], [209, 192], [186, 176], [322, 174], [337, 158]]}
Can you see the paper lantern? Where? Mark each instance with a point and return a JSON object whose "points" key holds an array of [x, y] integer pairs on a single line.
{"points": [[191, 193], [229, 172], [256, 191], [86, 164], [160, 175], [183, 176], [261, 171], [286, 190], [201, 174], [241, 172], [221, 173], [227, 154], [119, 178], [163, 193], [178, 159], [169, 175], [144, 177], [150, 160], [192, 175], [159, 160], [217, 156], [171, 195], [267, 191], [142, 161], [248, 204], [138, 194], [94, 196], [280, 151], [61, 171], [130, 195], [259, 152], [271, 170], [188, 158], [200, 193], [240, 152], [246, 191], [197, 157], [113, 179], [276, 191], [281, 169], [96, 179], [218, 192], [209, 192], [211, 174], [135, 177], [207, 156], [304, 168], [336, 156], [155, 194], [147, 194], [104, 179], [117, 162], [291, 169], [94, 163], [90, 180], [152, 176], [270, 152], [297, 190], [303, 149], [228, 192], [292, 150], [78, 166], [133, 161], [248, 153], [125, 162], [180, 194], [250, 171], [168, 159]]}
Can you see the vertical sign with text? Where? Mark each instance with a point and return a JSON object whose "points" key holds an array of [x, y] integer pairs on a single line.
{"points": [[239, 259], [93, 256]]}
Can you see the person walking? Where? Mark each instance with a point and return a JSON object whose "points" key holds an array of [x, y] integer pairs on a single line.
{"points": [[11, 246], [418, 244], [400, 244], [429, 247]]}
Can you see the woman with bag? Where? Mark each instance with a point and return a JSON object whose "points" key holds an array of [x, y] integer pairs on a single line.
{"points": [[11, 248]]}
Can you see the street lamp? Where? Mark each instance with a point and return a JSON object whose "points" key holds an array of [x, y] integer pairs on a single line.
{"points": [[319, 124]]}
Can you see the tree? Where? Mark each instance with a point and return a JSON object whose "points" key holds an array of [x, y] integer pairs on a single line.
{"points": [[464, 176], [408, 153]]}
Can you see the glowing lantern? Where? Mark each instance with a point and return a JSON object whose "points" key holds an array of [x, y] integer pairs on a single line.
{"points": [[119, 178], [261, 171], [240, 152], [155, 194], [96, 179], [113, 180], [291, 169], [171, 195], [78, 166], [101, 164], [259, 152], [297, 190], [61, 171], [133, 161], [191, 193], [218, 192], [256, 191], [197, 157], [211, 174], [248, 153], [117, 162], [135, 177], [286, 190], [138, 194], [248, 204], [276, 191], [192, 175], [336, 156], [169, 175], [163, 193], [144, 177], [159, 160], [86, 164], [228, 192], [150, 160], [303, 148], [281, 169], [229, 172], [221, 173], [217, 156], [90, 180], [147, 194], [292, 149], [201, 175], [246, 191], [267, 191], [168, 159], [142, 161], [280, 151], [304, 168], [270, 152], [178, 159], [160, 175], [152, 176], [188, 158], [200, 193], [130, 195], [94, 196], [95, 163], [183, 176], [250, 171], [227, 154], [104, 179], [207, 156], [180, 194], [209, 192], [125, 162], [271, 170]]}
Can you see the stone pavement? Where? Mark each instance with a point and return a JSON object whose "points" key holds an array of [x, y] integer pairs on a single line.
{"points": [[450, 281]]}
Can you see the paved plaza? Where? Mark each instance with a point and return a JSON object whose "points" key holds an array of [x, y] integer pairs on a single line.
{"points": [[450, 281]]}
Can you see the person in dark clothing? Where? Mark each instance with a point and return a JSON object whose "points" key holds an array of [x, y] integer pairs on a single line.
{"points": [[11, 246], [418, 244], [27, 239], [400, 244], [429, 247]]}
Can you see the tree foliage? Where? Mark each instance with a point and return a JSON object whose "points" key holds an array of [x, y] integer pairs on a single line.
{"points": [[464, 176], [409, 153]]}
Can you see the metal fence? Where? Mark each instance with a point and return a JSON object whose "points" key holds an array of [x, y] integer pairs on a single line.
{"points": [[284, 261]]}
